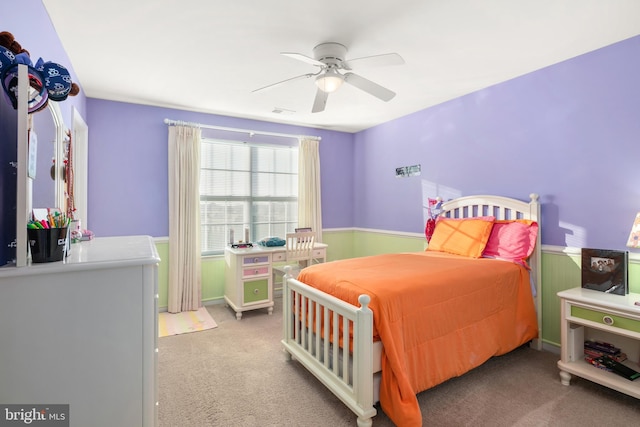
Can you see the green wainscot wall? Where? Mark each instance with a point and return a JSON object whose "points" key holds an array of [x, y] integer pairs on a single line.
{"points": [[560, 269]]}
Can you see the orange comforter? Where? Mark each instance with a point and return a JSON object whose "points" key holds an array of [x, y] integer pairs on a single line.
{"points": [[437, 315]]}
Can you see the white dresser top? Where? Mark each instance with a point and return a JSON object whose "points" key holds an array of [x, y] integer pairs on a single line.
{"points": [[101, 252]]}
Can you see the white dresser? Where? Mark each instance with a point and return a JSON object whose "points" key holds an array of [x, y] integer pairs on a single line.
{"points": [[83, 332]]}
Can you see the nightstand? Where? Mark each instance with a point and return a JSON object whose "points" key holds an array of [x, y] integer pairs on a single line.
{"points": [[592, 315]]}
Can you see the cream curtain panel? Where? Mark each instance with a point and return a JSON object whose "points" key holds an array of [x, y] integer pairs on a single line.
{"points": [[309, 200], [185, 290]]}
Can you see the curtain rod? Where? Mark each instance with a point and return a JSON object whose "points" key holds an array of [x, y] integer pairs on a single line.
{"points": [[250, 132]]}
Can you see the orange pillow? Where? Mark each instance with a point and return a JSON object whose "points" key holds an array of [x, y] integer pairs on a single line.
{"points": [[461, 236]]}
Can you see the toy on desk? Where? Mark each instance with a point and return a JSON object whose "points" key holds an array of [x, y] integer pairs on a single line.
{"points": [[241, 245], [271, 241], [77, 233], [81, 235], [86, 235]]}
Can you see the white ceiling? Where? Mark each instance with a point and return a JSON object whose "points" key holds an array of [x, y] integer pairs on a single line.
{"points": [[209, 55]]}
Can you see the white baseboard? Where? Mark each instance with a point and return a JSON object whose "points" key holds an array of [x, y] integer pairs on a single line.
{"points": [[213, 301], [551, 348]]}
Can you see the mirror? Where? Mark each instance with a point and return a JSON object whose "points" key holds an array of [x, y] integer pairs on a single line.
{"points": [[80, 151], [48, 174]]}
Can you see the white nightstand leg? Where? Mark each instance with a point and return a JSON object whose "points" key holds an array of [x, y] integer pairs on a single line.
{"points": [[565, 378]]}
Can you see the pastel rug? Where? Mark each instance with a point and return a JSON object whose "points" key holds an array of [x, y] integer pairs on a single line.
{"points": [[185, 322]]}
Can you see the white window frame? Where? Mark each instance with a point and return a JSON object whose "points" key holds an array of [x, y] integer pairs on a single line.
{"points": [[250, 222]]}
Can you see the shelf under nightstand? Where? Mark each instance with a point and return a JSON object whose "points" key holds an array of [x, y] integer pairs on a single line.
{"points": [[589, 314]]}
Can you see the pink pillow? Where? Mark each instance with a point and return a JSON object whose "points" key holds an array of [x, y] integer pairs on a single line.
{"points": [[512, 240]]}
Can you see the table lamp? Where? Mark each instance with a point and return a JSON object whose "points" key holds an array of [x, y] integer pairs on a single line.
{"points": [[634, 235]]}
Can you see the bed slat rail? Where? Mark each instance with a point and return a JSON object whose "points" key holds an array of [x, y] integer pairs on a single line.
{"points": [[316, 332]]}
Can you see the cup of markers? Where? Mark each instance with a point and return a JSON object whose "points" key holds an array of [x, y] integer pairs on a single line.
{"points": [[48, 238]]}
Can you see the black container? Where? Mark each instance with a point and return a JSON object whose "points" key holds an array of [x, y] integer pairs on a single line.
{"points": [[47, 245]]}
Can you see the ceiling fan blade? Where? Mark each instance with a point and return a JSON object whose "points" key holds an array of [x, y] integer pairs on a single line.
{"points": [[303, 58], [374, 61], [304, 76], [369, 87], [320, 102]]}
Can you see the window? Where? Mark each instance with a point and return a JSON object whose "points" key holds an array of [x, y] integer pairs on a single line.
{"points": [[246, 187]]}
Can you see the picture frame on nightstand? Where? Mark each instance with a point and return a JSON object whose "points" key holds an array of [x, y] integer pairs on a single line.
{"points": [[605, 270]]}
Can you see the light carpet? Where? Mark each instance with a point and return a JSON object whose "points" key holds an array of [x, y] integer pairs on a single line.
{"points": [[238, 375], [184, 322]]}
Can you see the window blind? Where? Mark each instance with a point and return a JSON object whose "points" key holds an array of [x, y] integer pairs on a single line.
{"points": [[246, 187]]}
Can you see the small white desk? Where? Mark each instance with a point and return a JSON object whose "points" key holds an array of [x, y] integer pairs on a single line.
{"points": [[248, 275]]}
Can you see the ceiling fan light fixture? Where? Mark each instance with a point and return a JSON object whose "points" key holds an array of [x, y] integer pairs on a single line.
{"points": [[329, 81]]}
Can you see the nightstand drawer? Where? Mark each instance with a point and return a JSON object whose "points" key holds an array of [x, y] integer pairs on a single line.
{"points": [[248, 260], [261, 270], [606, 319], [256, 290]]}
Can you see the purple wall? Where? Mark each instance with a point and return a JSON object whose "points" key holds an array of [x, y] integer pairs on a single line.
{"points": [[128, 183], [29, 22], [569, 132]]}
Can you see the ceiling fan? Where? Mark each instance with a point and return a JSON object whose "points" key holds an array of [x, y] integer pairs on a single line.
{"points": [[335, 69]]}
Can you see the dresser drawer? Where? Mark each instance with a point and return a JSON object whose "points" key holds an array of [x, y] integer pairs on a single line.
{"points": [[251, 260], [258, 270], [256, 290], [606, 318]]}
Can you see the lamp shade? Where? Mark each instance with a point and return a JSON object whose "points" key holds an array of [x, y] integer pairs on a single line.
{"points": [[634, 236], [329, 81]]}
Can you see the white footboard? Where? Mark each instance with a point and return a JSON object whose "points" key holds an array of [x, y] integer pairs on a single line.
{"points": [[319, 349]]}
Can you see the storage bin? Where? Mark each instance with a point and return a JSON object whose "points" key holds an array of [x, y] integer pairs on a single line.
{"points": [[47, 245]]}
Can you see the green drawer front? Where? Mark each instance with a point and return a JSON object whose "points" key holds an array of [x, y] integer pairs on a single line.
{"points": [[596, 316], [257, 290]]}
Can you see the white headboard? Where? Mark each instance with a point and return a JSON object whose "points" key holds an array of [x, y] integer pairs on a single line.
{"points": [[506, 208]]}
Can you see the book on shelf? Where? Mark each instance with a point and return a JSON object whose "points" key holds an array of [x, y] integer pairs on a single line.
{"points": [[605, 270], [602, 347], [611, 365], [594, 354]]}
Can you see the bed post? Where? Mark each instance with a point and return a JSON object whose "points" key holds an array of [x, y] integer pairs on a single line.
{"points": [[363, 361], [286, 307], [536, 266]]}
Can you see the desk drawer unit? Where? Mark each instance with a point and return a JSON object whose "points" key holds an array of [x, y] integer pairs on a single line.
{"points": [[248, 280], [319, 254]]}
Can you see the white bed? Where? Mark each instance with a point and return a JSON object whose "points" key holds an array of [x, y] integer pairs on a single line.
{"points": [[352, 377]]}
